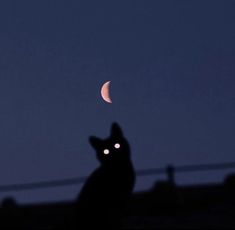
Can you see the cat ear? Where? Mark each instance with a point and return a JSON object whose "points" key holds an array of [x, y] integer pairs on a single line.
{"points": [[95, 142], [116, 130]]}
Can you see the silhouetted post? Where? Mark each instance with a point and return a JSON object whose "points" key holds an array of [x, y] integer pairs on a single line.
{"points": [[170, 171]]}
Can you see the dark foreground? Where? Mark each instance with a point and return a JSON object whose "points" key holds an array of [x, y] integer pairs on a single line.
{"points": [[166, 206]]}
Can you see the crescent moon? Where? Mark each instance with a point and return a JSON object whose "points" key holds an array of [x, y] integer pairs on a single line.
{"points": [[105, 92]]}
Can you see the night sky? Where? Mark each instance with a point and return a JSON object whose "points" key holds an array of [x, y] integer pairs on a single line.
{"points": [[172, 70]]}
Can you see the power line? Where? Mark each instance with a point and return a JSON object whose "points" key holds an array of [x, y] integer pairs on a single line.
{"points": [[186, 168], [42, 184], [143, 172]]}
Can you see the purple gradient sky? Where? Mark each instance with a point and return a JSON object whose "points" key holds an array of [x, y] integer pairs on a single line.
{"points": [[172, 72]]}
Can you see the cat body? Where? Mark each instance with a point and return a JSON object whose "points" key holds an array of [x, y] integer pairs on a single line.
{"points": [[105, 194]]}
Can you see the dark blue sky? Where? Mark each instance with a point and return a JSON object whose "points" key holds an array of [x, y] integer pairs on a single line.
{"points": [[172, 72]]}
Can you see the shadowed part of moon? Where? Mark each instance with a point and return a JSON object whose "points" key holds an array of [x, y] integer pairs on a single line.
{"points": [[105, 92]]}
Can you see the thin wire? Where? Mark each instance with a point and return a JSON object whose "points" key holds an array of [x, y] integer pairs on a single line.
{"points": [[143, 172], [42, 184]]}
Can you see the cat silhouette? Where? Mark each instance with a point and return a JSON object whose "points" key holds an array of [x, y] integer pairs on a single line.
{"points": [[105, 194]]}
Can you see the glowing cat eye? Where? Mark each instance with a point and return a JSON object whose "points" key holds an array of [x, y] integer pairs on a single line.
{"points": [[117, 146], [106, 151]]}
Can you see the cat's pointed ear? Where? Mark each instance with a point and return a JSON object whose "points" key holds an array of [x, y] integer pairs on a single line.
{"points": [[116, 130], [95, 141]]}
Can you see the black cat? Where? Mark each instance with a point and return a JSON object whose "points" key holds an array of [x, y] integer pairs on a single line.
{"points": [[102, 200]]}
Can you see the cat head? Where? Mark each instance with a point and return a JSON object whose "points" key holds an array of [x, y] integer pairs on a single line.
{"points": [[115, 148]]}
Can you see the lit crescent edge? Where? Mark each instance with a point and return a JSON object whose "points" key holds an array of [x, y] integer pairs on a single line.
{"points": [[105, 92]]}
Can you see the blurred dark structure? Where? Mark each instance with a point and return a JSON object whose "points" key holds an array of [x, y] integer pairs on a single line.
{"points": [[165, 206]]}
